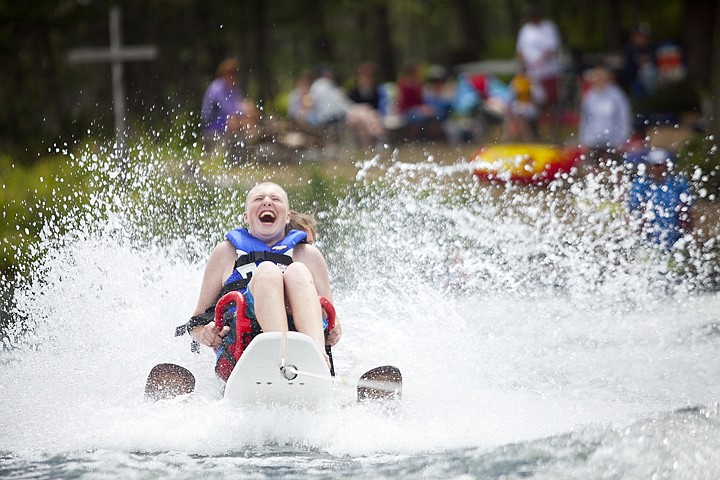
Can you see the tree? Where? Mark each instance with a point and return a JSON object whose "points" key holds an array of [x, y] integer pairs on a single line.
{"points": [[698, 26], [715, 83], [46, 100]]}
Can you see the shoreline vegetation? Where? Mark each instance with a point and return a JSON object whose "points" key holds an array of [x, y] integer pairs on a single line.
{"points": [[67, 182], [32, 195]]}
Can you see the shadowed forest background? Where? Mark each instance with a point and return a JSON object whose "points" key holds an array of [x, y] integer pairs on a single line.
{"points": [[48, 101]]}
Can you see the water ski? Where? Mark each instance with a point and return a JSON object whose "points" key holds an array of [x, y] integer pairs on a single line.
{"points": [[280, 367], [381, 383], [168, 380]]}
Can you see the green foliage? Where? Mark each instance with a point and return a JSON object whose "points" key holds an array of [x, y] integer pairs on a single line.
{"points": [[169, 188], [700, 159], [674, 98], [319, 193], [30, 196]]}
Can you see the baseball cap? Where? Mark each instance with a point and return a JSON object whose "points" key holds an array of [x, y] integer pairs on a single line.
{"points": [[659, 156]]}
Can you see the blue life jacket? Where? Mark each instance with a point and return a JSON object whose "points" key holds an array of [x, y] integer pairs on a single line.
{"points": [[252, 251], [661, 206]]}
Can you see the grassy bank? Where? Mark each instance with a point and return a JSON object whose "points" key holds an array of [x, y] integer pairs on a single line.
{"points": [[30, 196]]}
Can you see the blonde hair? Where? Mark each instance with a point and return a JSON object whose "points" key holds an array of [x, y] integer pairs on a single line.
{"points": [[305, 222]]}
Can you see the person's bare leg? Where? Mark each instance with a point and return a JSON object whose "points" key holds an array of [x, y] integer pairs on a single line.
{"points": [[266, 286], [304, 304]]}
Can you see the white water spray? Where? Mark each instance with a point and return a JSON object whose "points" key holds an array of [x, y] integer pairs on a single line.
{"points": [[514, 314]]}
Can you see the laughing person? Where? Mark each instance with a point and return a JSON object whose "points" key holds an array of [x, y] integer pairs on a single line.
{"points": [[281, 289]]}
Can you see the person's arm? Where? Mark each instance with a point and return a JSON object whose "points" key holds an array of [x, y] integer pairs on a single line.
{"points": [[313, 259], [220, 263]]}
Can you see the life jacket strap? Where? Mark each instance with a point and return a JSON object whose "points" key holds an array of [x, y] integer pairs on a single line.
{"points": [[261, 256], [237, 285], [197, 320], [227, 343], [253, 258]]}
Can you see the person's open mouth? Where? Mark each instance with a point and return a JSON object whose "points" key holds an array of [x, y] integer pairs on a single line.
{"points": [[267, 217]]}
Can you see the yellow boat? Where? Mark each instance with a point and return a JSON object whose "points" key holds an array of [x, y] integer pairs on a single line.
{"points": [[523, 162]]}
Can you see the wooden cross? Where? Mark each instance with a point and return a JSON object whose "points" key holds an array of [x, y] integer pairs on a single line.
{"points": [[116, 55]]}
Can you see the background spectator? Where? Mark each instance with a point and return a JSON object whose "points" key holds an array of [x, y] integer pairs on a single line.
{"points": [[301, 113], [225, 112], [410, 95], [332, 106], [538, 47], [522, 116], [300, 101], [660, 200], [439, 92], [365, 90], [330, 102], [417, 114], [605, 116], [639, 74]]}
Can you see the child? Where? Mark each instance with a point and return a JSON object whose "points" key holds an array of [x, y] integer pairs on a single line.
{"points": [[521, 120], [605, 116]]}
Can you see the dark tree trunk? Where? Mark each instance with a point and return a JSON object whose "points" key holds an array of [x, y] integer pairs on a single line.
{"points": [[715, 81], [260, 50], [472, 40], [316, 20], [386, 61], [515, 16], [698, 24], [614, 32]]}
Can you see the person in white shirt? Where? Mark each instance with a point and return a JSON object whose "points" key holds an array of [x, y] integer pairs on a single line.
{"points": [[332, 105], [605, 115], [538, 47]]}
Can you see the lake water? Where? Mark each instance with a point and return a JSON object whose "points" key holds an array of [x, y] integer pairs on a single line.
{"points": [[537, 335]]}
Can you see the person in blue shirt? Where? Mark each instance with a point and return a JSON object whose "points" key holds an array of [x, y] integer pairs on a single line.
{"points": [[226, 112], [661, 200]]}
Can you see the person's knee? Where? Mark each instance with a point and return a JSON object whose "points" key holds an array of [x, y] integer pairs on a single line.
{"points": [[266, 275], [297, 273]]}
